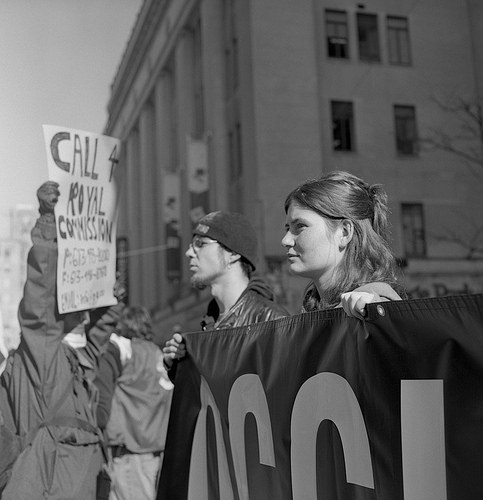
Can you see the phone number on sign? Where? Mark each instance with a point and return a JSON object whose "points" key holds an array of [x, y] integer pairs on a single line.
{"points": [[78, 276], [76, 257]]}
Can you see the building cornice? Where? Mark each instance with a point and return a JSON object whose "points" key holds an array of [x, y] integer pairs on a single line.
{"points": [[142, 34]]}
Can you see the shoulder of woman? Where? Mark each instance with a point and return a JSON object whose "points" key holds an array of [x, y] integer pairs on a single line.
{"points": [[384, 290]]}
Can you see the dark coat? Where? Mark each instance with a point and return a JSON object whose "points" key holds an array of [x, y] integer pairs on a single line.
{"points": [[255, 304], [64, 457]]}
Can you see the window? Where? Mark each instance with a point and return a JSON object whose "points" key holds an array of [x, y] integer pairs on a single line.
{"points": [[337, 34], [406, 134], [398, 40], [342, 126], [368, 37], [413, 229]]}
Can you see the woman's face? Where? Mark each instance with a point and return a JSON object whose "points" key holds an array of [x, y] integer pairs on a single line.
{"points": [[313, 249]]}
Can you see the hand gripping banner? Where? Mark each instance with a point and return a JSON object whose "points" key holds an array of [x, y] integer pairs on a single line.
{"points": [[323, 406]]}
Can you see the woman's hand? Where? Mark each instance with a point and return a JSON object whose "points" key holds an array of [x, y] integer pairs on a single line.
{"points": [[175, 348], [354, 303]]}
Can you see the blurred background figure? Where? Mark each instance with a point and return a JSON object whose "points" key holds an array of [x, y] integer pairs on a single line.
{"points": [[3, 347], [135, 400]]}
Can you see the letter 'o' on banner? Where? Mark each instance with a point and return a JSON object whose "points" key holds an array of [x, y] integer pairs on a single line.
{"points": [[198, 479], [328, 396], [247, 396]]}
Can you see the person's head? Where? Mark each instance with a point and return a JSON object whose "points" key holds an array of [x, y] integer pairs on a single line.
{"points": [[221, 240], [135, 322], [337, 235]]}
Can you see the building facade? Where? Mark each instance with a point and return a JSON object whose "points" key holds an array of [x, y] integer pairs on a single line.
{"points": [[230, 104], [13, 270]]}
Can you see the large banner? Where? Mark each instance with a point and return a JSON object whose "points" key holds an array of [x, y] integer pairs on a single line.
{"points": [[85, 166], [323, 406]]}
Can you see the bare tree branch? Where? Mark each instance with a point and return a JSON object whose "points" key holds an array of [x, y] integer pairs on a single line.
{"points": [[465, 143]]}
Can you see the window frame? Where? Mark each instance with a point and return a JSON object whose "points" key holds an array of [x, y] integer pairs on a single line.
{"points": [[340, 50], [405, 130], [414, 231], [343, 125], [368, 50], [398, 41]]}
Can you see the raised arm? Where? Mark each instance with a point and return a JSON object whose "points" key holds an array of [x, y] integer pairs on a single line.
{"points": [[40, 324]]}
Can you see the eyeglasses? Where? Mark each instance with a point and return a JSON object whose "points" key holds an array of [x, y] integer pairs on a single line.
{"points": [[197, 243]]}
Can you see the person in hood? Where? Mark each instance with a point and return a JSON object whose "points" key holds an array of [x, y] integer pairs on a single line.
{"points": [[49, 379], [223, 255], [337, 236], [134, 405]]}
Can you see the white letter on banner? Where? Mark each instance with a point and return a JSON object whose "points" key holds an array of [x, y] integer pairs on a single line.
{"points": [[198, 480], [247, 396], [422, 434], [328, 396]]}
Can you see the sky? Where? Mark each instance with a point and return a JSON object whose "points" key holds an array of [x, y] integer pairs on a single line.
{"points": [[58, 59]]}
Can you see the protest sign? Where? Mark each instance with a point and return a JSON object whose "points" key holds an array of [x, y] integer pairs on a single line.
{"points": [[86, 167], [328, 407]]}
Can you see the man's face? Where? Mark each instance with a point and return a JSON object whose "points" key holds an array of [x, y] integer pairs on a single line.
{"points": [[208, 261]]}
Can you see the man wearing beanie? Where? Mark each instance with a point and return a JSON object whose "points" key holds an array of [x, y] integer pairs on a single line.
{"points": [[223, 256]]}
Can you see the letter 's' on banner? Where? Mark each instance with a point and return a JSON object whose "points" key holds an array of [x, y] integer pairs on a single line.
{"points": [[86, 167], [326, 407]]}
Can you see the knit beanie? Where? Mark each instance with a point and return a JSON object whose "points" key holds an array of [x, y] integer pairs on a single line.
{"points": [[231, 229]]}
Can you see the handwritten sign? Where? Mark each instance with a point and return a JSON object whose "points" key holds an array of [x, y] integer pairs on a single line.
{"points": [[86, 167]]}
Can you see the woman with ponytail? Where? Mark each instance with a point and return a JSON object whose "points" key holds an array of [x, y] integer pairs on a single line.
{"points": [[337, 235]]}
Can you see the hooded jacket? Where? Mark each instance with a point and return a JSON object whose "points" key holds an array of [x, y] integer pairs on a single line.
{"points": [[255, 304], [45, 374]]}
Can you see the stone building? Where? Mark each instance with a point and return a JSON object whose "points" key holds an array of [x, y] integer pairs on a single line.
{"points": [[229, 104], [13, 269]]}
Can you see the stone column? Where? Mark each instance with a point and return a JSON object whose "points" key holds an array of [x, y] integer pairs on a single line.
{"points": [[163, 96], [147, 204], [184, 77], [214, 84], [133, 215]]}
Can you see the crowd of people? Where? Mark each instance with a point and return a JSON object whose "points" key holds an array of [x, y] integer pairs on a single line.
{"points": [[85, 398]]}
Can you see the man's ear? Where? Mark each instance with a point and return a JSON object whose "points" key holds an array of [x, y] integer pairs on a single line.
{"points": [[233, 257], [347, 227]]}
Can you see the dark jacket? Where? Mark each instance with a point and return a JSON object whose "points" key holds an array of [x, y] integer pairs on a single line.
{"points": [[64, 457], [110, 367], [255, 304]]}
